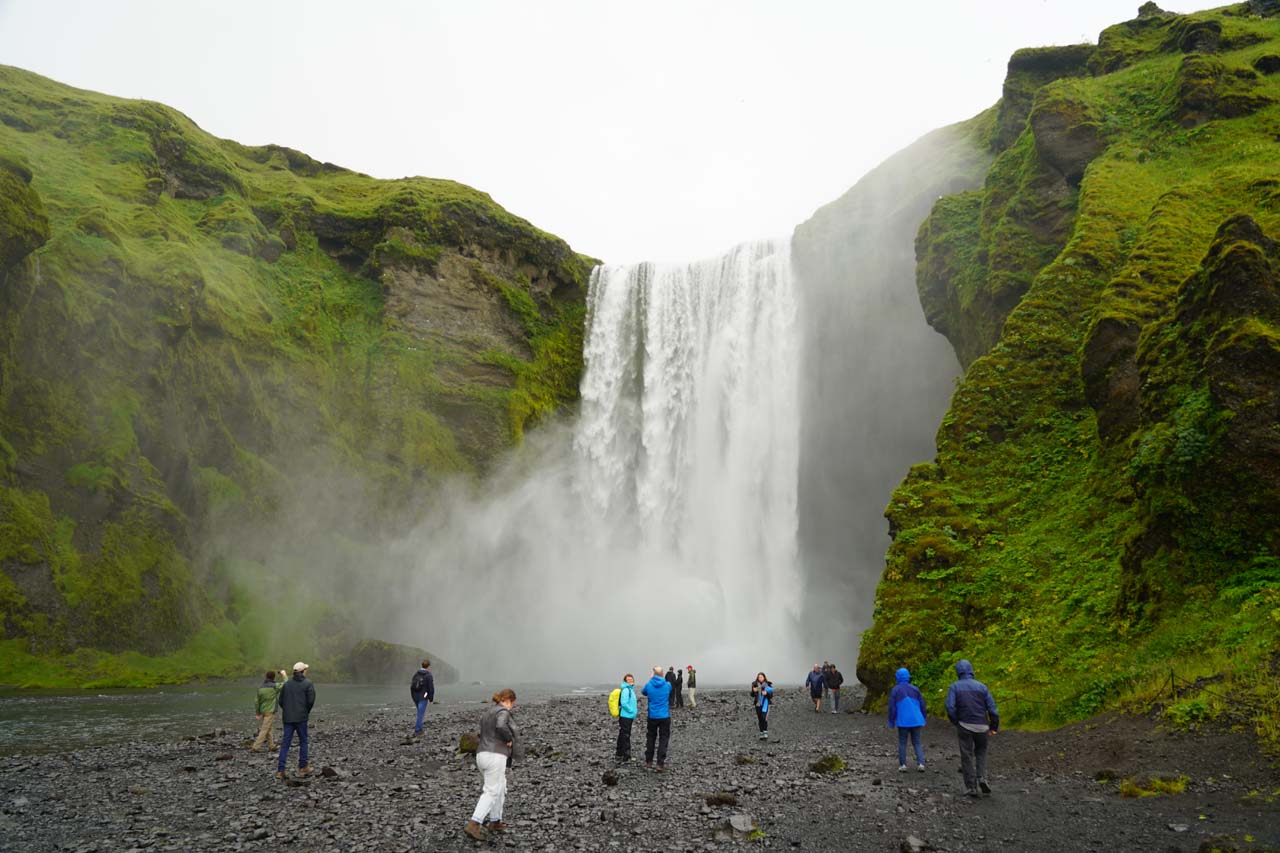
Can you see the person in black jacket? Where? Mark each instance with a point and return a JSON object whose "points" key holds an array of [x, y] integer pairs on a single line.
{"points": [[679, 688], [832, 681], [422, 690], [297, 698]]}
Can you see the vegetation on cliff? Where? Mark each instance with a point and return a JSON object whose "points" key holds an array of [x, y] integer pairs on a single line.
{"points": [[1099, 528], [187, 322]]}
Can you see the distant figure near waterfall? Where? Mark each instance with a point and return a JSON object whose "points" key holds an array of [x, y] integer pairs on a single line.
{"points": [[658, 726], [833, 680], [815, 683], [692, 682], [761, 697], [422, 690], [972, 710]]}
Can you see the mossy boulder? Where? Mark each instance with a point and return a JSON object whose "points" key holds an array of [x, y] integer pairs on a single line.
{"points": [[23, 224], [828, 765]]}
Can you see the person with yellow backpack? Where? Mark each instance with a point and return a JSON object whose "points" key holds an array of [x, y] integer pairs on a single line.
{"points": [[622, 704]]}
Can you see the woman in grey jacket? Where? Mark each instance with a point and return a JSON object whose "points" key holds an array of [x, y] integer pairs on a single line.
{"points": [[497, 737]]}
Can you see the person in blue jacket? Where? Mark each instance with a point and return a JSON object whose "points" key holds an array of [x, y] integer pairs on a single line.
{"points": [[762, 695], [815, 682], [973, 712], [907, 713], [627, 711], [658, 692]]}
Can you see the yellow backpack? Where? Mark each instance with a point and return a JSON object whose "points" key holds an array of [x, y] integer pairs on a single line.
{"points": [[615, 702]]}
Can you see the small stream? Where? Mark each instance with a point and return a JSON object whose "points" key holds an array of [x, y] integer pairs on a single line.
{"points": [[35, 721]]}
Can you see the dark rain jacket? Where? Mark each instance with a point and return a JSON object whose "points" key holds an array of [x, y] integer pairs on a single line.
{"points": [[969, 702], [497, 729], [297, 698]]}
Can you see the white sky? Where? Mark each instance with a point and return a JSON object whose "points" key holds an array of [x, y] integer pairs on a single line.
{"points": [[662, 130]]}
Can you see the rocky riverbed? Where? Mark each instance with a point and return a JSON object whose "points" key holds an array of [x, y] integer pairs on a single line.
{"points": [[376, 789]]}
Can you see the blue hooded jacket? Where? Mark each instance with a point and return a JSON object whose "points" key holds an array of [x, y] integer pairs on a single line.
{"points": [[659, 692], [627, 707], [763, 695], [969, 700], [906, 704]]}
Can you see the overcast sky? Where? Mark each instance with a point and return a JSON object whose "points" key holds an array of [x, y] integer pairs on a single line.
{"points": [[656, 130]]}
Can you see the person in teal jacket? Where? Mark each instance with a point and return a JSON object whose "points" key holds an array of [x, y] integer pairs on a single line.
{"points": [[907, 713], [628, 708]]}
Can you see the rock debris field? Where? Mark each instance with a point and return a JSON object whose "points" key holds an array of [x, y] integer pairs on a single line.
{"points": [[376, 789]]}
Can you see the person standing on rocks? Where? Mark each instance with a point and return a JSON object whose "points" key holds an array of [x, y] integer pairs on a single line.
{"points": [[907, 713], [627, 710], [815, 683], [972, 710], [422, 690], [658, 726], [493, 754], [692, 682], [833, 681], [826, 691], [762, 695], [268, 699], [679, 688], [297, 698]]}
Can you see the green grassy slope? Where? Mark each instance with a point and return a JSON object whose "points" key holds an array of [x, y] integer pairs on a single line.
{"points": [[185, 322], [1103, 514]]}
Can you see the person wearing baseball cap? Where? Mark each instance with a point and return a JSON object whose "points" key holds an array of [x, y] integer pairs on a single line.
{"points": [[296, 701], [692, 683]]}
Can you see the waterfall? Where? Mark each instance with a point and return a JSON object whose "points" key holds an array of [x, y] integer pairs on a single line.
{"points": [[661, 529]]}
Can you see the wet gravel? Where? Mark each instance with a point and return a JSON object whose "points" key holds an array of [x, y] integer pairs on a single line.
{"points": [[376, 789]]}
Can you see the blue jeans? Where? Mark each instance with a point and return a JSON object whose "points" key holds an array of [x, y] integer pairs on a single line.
{"points": [[914, 732], [287, 741], [422, 710]]}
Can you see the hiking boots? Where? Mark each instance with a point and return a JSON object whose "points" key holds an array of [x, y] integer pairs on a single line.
{"points": [[982, 783], [280, 775], [972, 792], [473, 829], [304, 771], [497, 826]]}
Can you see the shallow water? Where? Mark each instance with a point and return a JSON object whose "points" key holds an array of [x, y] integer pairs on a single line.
{"points": [[52, 721]]}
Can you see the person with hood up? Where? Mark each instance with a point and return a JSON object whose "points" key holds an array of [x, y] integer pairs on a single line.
{"points": [[297, 698], [658, 692], [907, 713], [973, 712], [815, 682], [422, 690], [762, 695], [627, 711], [678, 686], [692, 683], [493, 753], [267, 700]]}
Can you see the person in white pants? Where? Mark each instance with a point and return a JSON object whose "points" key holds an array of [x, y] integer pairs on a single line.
{"points": [[493, 752]]}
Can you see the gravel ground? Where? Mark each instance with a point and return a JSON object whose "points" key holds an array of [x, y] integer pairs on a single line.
{"points": [[375, 789]]}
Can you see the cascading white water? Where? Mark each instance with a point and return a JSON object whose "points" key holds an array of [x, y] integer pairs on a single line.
{"points": [[663, 528]]}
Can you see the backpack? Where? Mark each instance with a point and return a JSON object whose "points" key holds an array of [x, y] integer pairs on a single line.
{"points": [[418, 685], [615, 702]]}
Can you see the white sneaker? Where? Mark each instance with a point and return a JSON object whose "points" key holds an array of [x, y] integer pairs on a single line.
{"points": [[902, 768], [920, 767]]}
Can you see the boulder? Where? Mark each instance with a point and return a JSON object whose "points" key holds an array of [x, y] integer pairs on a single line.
{"points": [[378, 662]]}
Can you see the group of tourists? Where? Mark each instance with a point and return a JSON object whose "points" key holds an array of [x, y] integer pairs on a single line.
{"points": [[824, 684], [969, 706]]}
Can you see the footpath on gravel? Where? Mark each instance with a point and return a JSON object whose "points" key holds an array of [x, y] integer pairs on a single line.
{"points": [[376, 789]]}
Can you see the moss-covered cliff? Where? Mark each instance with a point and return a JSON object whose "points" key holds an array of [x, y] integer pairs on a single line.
{"points": [[1104, 506], [186, 321]]}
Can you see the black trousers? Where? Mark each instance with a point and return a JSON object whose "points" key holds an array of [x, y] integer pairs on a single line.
{"points": [[762, 717], [973, 756], [661, 730], [679, 697], [624, 737]]}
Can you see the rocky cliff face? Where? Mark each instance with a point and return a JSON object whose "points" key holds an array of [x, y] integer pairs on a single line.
{"points": [[189, 324], [1102, 506]]}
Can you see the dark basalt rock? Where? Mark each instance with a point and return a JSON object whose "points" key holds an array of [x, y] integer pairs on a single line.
{"points": [[1068, 135], [1207, 90], [1267, 64]]}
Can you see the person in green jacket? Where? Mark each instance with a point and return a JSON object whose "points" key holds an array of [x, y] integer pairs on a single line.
{"points": [[267, 701]]}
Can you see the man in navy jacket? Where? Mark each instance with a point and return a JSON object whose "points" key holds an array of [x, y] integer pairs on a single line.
{"points": [[973, 712]]}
